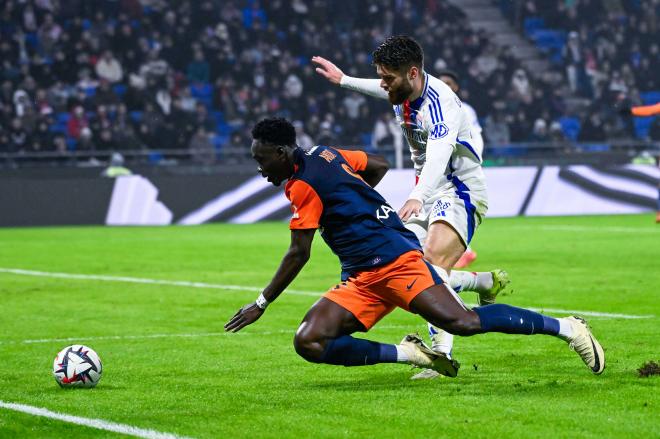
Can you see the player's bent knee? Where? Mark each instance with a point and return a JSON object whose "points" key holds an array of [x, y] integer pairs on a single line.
{"points": [[309, 347], [467, 324]]}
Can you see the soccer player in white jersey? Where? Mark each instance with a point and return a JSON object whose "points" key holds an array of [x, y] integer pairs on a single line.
{"points": [[450, 199], [450, 78]]}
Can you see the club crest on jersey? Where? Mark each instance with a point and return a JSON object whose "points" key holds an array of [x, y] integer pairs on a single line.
{"points": [[438, 131]]}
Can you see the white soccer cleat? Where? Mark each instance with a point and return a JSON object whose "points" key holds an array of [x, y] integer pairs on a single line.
{"points": [[585, 344], [426, 374], [500, 282], [420, 355]]}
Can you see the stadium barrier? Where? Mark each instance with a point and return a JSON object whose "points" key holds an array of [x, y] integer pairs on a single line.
{"points": [[154, 196]]}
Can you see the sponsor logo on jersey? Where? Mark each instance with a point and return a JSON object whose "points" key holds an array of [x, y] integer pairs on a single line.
{"points": [[438, 131]]}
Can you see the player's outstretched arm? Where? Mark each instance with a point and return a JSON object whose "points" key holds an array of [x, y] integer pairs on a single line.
{"points": [[292, 262], [377, 167], [335, 75]]}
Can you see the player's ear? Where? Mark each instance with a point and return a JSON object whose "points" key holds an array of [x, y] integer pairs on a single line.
{"points": [[413, 73]]}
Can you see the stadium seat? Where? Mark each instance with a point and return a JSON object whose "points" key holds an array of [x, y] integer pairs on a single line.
{"points": [[642, 126], [155, 157], [220, 140], [532, 24], [63, 118], [650, 97], [570, 126], [136, 116], [119, 89]]}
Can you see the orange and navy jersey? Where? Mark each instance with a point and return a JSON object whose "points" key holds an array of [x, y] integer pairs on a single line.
{"points": [[354, 220]]}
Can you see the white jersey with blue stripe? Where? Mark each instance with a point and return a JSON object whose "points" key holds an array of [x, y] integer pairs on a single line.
{"points": [[436, 120]]}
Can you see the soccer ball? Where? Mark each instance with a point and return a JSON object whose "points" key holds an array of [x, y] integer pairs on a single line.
{"points": [[77, 366]]}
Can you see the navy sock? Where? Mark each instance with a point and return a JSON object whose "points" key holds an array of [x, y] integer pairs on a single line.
{"points": [[512, 320], [349, 351]]}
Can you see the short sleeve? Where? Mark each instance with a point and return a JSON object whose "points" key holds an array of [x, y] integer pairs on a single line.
{"points": [[356, 159], [306, 205]]}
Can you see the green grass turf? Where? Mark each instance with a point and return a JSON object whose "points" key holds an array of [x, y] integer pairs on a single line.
{"points": [[253, 384]]}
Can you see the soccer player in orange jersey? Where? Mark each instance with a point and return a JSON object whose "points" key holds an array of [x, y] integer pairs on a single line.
{"points": [[382, 265]]}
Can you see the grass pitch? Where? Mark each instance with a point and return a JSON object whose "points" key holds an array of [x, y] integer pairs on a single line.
{"points": [[169, 367]]}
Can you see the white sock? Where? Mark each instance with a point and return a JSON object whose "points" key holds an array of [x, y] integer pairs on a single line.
{"points": [[471, 281], [463, 280], [401, 354], [441, 341], [565, 329]]}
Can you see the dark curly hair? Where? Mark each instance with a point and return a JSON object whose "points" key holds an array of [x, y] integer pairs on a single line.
{"points": [[400, 51], [276, 131]]}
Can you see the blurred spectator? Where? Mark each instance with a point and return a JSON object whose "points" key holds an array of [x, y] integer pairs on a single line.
{"points": [[77, 121], [253, 59], [109, 68], [201, 147], [302, 138], [496, 129], [198, 68], [540, 131]]}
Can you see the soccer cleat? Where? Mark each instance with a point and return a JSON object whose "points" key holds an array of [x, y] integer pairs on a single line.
{"points": [[420, 355], [426, 374], [466, 259], [500, 282], [585, 344]]}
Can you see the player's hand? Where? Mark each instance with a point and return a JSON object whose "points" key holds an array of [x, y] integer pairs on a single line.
{"points": [[328, 70], [247, 315], [412, 207]]}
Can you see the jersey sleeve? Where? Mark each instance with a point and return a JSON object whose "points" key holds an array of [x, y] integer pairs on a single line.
{"points": [[306, 205], [442, 120], [366, 86], [356, 159]]}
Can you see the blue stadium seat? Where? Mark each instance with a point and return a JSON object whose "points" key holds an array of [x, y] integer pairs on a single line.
{"points": [[201, 90], [218, 116], [593, 147], [532, 24], [642, 126], [136, 116], [547, 39], [119, 89], [155, 157], [32, 40], [570, 126], [63, 117], [650, 97], [220, 140]]}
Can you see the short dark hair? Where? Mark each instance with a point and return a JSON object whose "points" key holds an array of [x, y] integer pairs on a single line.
{"points": [[400, 51], [452, 74], [276, 131]]}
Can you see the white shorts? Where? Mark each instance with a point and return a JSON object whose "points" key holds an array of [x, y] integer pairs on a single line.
{"points": [[462, 210]]}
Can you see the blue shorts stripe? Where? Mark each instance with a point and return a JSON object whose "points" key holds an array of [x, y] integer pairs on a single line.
{"points": [[436, 278], [463, 193]]}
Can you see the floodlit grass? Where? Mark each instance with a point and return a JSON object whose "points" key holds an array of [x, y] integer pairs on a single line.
{"points": [[169, 367]]}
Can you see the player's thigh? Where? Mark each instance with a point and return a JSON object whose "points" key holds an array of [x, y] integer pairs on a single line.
{"points": [[443, 246], [326, 320], [439, 306]]}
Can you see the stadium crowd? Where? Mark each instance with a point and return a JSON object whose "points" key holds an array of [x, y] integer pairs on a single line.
{"points": [[112, 75]]}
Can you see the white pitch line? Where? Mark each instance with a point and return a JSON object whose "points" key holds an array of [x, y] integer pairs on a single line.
{"points": [[139, 280], [610, 229], [256, 289], [99, 424]]}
